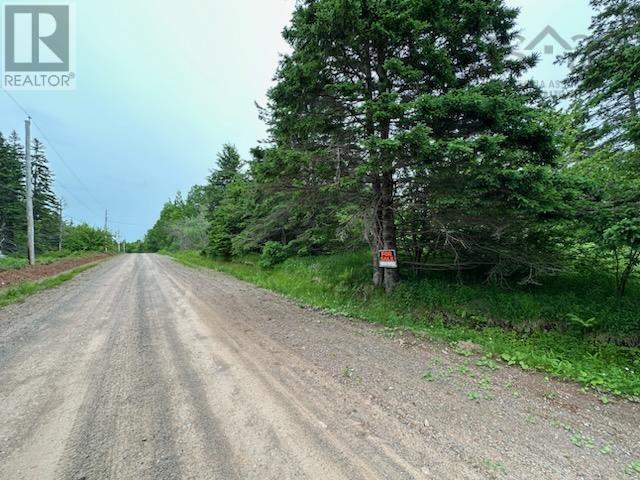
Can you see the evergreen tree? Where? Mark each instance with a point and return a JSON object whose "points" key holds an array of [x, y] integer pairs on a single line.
{"points": [[604, 86], [225, 190], [605, 76], [228, 166], [45, 202], [12, 207], [403, 87], [227, 221]]}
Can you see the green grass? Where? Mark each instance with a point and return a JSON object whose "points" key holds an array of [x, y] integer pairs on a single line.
{"points": [[16, 263], [12, 263], [529, 327], [22, 290]]}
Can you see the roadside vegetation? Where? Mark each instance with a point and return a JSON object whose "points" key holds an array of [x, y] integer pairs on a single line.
{"points": [[55, 237], [412, 126], [18, 262], [531, 327], [21, 291]]}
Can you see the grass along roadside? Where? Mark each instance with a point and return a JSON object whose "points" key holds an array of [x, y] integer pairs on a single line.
{"points": [[436, 309], [21, 291], [16, 263]]}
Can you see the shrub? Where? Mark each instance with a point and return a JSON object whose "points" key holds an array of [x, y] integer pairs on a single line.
{"points": [[273, 253]]}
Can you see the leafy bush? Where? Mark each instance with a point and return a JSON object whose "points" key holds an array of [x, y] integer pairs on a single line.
{"points": [[273, 253], [85, 238]]}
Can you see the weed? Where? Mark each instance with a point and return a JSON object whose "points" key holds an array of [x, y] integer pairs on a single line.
{"points": [[579, 322], [581, 441], [348, 372], [604, 400], [495, 466], [473, 395], [485, 384], [606, 450], [487, 362], [389, 332], [428, 376], [635, 467], [551, 395]]}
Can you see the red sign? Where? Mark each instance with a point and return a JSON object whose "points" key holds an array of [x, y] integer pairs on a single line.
{"points": [[387, 259]]}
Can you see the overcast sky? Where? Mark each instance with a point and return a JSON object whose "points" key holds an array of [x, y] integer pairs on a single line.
{"points": [[161, 85]]}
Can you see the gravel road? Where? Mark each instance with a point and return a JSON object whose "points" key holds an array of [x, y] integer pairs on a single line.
{"points": [[141, 368]]}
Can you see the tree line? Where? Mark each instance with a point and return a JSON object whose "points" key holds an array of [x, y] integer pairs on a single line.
{"points": [[52, 232], [409, 125]]}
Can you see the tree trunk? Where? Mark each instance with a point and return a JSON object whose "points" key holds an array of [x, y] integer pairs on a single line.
{"points": [[632, 261], [376, 232], [634, 113], [391, 275]]}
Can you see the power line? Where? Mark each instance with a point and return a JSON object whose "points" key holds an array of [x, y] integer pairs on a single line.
{"points": [[66, 164], [78, 199], [53, 148]]}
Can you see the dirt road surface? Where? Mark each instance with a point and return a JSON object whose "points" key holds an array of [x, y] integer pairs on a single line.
{"points": [[144, 369]]}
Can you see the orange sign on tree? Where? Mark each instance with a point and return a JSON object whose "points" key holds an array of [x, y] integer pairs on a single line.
{"points": [[387, 259]]}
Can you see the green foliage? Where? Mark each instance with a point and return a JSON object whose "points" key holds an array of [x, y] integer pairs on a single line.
{"points": [[12, 263], [23, 290], [182, 224], [12, 223], [427, 307], [226, 172], [13, 193], [605, 76], [402, 126], [16, 263], [45, 202], [228, 217], [406, 125], [431, 138], [85, 238], [602, 138], [273, 253]]}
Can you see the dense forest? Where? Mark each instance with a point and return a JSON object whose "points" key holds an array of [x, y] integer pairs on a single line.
{"points": [[408, 125], [52, 231]]}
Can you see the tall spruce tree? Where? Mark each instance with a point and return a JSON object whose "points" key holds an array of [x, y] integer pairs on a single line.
{"points": [[225, 195], [605, 75], [12, 207], [45, 202], [44, 199], [604, 86], [400, 87], [228, 165]]}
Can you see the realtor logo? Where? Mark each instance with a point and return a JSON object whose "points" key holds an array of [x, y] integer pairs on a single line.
{"points": [[547, 42], [38, 47]]}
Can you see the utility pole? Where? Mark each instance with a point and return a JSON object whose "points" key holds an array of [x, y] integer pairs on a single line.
{"points": [[106, 230], [30, 228], [60, 217]]}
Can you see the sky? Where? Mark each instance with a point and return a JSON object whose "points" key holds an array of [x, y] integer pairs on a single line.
{"points": [[162, 85]]}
